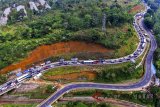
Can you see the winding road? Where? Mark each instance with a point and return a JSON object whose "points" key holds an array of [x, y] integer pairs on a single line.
{"points": [[145, 81]]}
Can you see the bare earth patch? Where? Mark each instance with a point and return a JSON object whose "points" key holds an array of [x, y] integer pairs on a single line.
{"points": [[27, 87], [83, 75], [46, 51], [137, 9]]}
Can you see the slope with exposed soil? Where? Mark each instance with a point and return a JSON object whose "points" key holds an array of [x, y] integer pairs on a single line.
{"points": [[46, 51]]}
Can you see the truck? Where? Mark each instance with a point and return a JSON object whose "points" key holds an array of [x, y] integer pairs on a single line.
{"points": [[89, 62], [145, 34], [143, 40], [143, 45]]}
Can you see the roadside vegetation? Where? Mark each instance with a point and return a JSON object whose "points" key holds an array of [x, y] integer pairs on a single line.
{"points": [[3, 78], [41, 92], [82, 104], [68, 20], [152, 21], [150, 98], [118, 73]]}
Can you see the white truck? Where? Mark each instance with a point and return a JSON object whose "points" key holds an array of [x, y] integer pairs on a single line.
{"points": [[37, 76]]}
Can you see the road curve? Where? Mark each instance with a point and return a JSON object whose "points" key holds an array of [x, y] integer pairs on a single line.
{"points": [[145, 81], [34, 71]]}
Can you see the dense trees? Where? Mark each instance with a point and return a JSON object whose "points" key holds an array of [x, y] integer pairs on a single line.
{"points": [[152, 20], [125, 72], [143, 97], [148, 22], [69, 20], [156, 92]]}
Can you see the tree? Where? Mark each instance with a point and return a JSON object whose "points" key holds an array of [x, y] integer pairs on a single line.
{"points": [[147, 15], [80, 104], [49, 89], [149, 22], [150, 11], [75, 23], [156, 28], [13, 16], [154, 6], [3, 79], [87, 21]]}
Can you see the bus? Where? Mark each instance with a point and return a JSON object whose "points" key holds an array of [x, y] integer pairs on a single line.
{"points": [[23, 77]]}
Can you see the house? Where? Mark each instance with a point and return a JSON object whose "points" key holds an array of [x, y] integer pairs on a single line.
{"points": [[33, 6], [6, 12], [43, 3], [21, 7]]}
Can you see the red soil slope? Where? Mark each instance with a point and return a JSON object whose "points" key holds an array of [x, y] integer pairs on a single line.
{"points": [[73, 76], [45, 51], [136, 9]]}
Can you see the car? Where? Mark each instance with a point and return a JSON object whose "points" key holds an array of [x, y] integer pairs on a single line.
{"points": [[96, 62], [152, 32], [138, 50], [4, 88], [143, 45], [101, 60], [130, 56], [9, 83], [145, 34], [120, 60], [65, 63], [112, 61], [136, 53], [42, 64], [13, 84], [47, 62], [51, 66], [46, 67]]}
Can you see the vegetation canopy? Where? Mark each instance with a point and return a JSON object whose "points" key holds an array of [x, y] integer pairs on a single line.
{"points": [[67, 20]]}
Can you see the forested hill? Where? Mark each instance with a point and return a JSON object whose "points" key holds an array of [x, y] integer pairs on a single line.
{"points": [[67, 20]]}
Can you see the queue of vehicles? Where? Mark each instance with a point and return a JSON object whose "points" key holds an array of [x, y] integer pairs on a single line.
{"points": [[37, 70]]}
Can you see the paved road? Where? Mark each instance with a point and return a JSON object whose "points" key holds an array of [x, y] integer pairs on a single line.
{"points": [[138, 52], [145, 81], [41, 69]]}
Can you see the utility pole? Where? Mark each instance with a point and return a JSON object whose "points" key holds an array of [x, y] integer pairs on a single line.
{"points": [[104, 17], [104, 22]]}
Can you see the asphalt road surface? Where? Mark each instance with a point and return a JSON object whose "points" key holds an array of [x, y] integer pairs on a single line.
{"points": [[137, 86]]}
